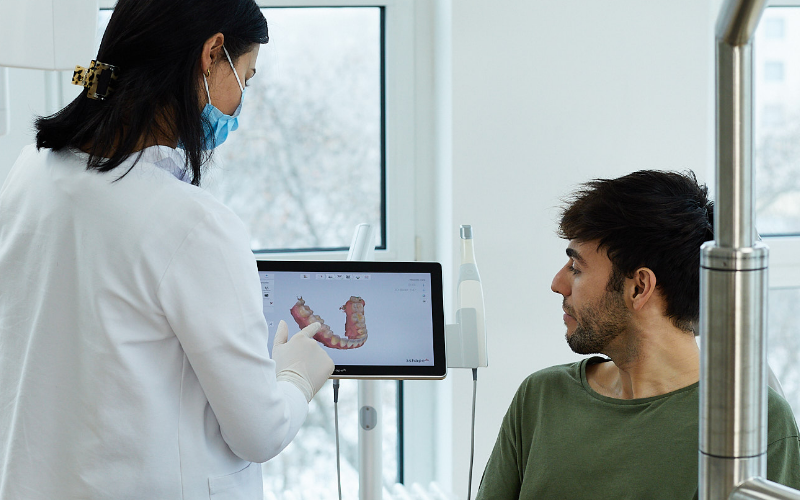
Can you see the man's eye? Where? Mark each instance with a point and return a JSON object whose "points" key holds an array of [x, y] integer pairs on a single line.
{"points": [[572, 269]]}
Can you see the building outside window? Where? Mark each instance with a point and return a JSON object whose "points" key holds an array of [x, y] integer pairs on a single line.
{"points": [[774, 28], [773, 71]]}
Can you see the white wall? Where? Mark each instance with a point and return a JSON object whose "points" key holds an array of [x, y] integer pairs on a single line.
{"points": [[26, 90], [546, 95], [28, 100]]}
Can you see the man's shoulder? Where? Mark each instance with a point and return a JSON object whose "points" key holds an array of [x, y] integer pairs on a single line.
{"points": [[568, 372], [781, 419], [555, 372], [557, 379]]}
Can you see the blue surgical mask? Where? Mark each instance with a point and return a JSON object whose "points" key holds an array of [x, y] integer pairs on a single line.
{"points": [[220, 123]]}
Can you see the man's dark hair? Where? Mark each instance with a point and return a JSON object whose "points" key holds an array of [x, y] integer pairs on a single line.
{"points": [[650, 219], [156, 44]]}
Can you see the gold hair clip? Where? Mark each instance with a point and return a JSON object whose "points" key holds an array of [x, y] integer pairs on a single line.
{"points": [[99, 79]]}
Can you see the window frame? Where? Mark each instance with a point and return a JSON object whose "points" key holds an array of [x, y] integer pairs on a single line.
{"points": [[399, 125], [399, 101], [784, 258], [783, 269]]}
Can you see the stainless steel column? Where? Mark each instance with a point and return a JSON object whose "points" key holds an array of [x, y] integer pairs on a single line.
{"points": [[370, 440], [733, 417], [733, 280], [760, 489]]}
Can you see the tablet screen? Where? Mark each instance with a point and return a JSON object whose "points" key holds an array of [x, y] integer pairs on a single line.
{"points": [[380, 319]]}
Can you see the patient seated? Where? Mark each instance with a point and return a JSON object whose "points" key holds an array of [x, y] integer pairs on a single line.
{"points": [[624, 426]]}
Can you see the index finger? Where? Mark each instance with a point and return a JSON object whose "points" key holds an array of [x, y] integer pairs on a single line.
{"points": [[311, 329]]}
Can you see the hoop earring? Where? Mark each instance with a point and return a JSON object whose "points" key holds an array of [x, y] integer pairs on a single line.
{"points": [[208, 72]]}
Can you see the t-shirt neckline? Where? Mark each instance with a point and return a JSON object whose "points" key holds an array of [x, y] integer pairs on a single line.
{"points": [[623, 402]]}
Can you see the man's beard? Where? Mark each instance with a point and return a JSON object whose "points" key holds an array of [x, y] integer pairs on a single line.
{"points": [[598, 324]]}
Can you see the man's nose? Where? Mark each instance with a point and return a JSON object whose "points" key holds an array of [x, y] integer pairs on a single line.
{"points": [[560, 284]]}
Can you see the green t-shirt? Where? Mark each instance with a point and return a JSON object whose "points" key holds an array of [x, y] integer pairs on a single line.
{"points": [[562, 440]]}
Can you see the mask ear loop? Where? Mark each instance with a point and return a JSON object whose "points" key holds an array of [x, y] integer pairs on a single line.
{"points": [[234, 69], [205, 82]]}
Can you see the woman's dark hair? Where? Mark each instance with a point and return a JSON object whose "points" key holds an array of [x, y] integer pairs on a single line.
{"points": [[156, 44], [649, 219]]}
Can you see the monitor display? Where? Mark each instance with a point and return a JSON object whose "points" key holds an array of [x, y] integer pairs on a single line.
{"points": [[380, 319]]}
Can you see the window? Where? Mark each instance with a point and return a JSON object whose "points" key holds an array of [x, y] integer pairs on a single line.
{"points": [[307, 467], [777, 127], [326, 137], [784, 348], [306, 165], [777, 165], [772, 115], [774, 28]]}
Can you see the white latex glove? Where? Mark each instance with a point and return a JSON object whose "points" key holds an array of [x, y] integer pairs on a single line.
{"points": [[301, 360]]}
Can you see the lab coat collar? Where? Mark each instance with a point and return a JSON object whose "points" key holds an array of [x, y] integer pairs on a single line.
{"points": [[169, 159]]}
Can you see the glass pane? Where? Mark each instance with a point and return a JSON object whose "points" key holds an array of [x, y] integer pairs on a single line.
{"points": [[784, 342], [777, 121], [305, 166], [306, 469]]}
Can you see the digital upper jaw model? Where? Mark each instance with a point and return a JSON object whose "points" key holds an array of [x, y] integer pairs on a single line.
{"points": [[355, 328]]}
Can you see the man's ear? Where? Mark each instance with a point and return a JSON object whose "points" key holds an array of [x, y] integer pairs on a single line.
{"points": [[640, 288]]}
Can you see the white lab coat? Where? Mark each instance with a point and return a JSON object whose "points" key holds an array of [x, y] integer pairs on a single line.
{"points": [[133, 348]]}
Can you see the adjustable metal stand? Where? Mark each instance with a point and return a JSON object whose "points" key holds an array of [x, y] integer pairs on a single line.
{"points": [[462, 351], [370, 430], [370, 441]]}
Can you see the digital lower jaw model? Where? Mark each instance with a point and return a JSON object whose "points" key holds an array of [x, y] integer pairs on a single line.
{"points": [[355, 328]]}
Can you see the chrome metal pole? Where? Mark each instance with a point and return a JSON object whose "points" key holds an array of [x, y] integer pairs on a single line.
{"points": [[760, 489], [370, 440], [733, 279], [733, 419], [370, 430]]}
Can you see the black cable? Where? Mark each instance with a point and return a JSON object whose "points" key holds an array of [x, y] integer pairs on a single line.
{"points": [[336, 431], [472, 440], [400, 430]]}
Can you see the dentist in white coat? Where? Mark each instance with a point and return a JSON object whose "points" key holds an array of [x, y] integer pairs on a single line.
{"points": [[133, 348]]}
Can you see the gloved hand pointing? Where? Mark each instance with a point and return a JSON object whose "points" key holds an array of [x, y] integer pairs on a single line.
{"points": [[301, 360]]}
